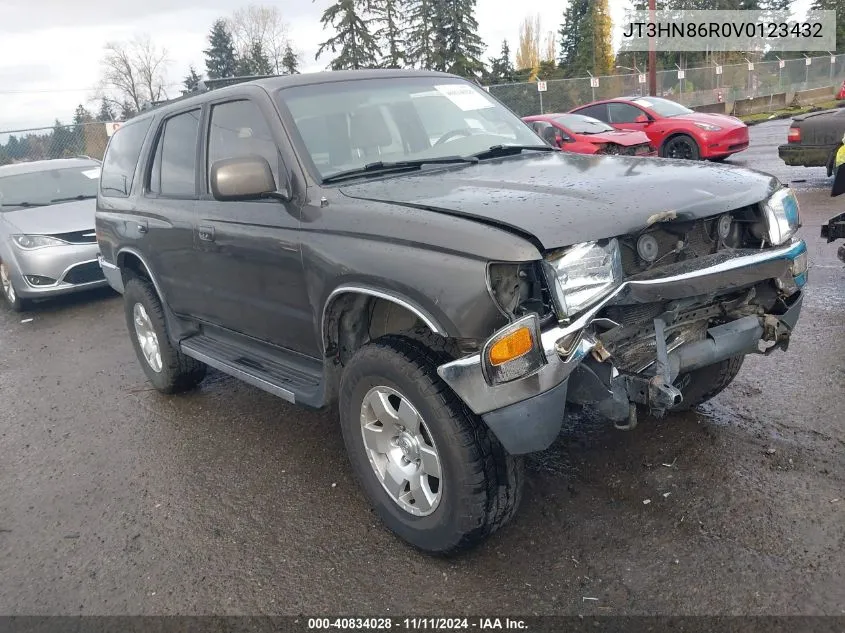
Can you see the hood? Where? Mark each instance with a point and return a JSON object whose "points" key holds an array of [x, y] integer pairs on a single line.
{"points": [[560, 198], [722, 120], [66, 217], [620, 137]]}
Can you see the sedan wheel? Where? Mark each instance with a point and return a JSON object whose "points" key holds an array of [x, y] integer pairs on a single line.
{"points": [[15, 302], [147, 338], [681, 147]]}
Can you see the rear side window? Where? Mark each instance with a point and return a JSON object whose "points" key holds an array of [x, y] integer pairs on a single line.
{"points": [[598, 111], [238, 129], [623, 113], [121, 157], [174, 170]]}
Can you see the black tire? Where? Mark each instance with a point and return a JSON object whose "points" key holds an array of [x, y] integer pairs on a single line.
{"points": [[680, 146], [15, 302], [178, 372], [701, 385], [482, 483]]}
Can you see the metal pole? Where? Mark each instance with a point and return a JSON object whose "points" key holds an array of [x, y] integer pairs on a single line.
{"points": [[541, 103], [652, 55]]}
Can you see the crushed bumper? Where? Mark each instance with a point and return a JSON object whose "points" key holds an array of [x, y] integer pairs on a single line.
{"points": [[567, 346]]}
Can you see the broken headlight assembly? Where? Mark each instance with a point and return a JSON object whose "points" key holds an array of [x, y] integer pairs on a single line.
{"points": [[583, 274], [781, 214]]}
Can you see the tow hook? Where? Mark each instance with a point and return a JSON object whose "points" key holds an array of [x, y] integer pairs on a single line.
{"points": [[662, 394]]}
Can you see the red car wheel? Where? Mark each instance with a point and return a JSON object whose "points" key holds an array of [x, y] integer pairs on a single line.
{"points": [[681, 146]]}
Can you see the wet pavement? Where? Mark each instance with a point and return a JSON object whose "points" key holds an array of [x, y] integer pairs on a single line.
{"points": [[116, 499]]}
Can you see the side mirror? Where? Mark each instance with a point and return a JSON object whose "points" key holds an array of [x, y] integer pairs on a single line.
{"points": [[243, 178], [642, 119]]}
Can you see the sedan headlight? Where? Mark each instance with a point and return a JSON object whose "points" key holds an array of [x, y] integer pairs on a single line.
{"points": [[782, 217], [585, 273], [707, 126], [29, 242]]}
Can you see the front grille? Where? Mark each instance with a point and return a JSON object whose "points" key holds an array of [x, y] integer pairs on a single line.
{"points": [[77, 237], [84, 274]]}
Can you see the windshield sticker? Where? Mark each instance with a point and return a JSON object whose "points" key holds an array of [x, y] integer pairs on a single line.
{"points": [[465, 97], [92, 173]]}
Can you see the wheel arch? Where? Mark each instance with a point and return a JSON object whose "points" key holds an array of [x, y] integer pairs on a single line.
{"points": [[130, 260], [352, 311]]}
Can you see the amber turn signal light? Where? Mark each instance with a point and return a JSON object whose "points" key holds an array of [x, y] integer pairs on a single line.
{"points": [[516, 344]]}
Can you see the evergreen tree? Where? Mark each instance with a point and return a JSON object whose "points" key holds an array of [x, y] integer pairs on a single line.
{"points": [[390, 36], [191, 81], [62, 141], [420, 36], [105, 113], [357, 45], [585, 39], [458, 28], [220, 58], [255, 62], [501, 68], [290, 61], [127, 111], [839, 7]]}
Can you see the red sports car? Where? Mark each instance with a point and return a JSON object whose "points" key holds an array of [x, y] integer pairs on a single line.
{"points": [[585, 135], [675, 130]]}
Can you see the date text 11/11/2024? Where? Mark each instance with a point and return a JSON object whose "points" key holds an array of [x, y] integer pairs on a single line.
{"points": [[416, 624]]}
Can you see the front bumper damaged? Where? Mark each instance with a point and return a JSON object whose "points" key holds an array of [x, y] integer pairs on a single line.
{"points": [[526, 414]]}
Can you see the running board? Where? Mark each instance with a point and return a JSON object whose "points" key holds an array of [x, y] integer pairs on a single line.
{"points": [[295, 384]]}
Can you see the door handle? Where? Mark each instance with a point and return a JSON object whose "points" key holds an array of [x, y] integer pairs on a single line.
{"points": [[143, 226], [206, 233]]}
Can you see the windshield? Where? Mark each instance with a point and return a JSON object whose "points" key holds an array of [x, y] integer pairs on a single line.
{"points": [[346, 125], [663, 107], [40, 188], [581, 124]]}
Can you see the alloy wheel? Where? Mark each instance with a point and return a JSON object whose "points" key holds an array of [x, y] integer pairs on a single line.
{"points": [[8, 288], [147, 338], [401, 451]]}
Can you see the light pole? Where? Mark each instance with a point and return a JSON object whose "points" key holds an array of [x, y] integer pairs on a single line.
{"points": [[592, 87], [681, 76], [807, 61]]}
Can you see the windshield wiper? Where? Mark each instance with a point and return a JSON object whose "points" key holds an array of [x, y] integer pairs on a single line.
{"points": [[23, 204], [70, 198], [381, 166], [508, 150]]}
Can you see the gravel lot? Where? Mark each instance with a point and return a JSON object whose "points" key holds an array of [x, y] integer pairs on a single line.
{"points": [[226, 500]]}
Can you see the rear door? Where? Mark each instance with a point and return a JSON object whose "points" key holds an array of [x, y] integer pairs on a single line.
{"points": [[250, 270], [169, 199]]}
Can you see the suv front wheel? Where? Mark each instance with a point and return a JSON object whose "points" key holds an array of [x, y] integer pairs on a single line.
{"points": [[166, 367], [432, 470]]}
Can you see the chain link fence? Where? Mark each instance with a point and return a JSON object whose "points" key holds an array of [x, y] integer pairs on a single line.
{"points": [[59, 141], [697, 87]]}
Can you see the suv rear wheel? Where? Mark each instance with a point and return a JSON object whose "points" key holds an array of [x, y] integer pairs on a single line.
{"points": [[434, 473], [166, 367]]}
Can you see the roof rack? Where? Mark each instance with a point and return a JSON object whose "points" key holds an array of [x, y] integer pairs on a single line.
{"points": [[205, 85]]}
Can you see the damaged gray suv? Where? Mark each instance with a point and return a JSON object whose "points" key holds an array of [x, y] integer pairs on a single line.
{"points": [[401, 244]]}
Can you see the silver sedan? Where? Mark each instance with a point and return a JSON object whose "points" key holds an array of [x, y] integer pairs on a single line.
{"points": [[47, 242]]}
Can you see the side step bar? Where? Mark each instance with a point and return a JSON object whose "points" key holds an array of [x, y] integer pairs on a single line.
{"points": [[290, 383]]}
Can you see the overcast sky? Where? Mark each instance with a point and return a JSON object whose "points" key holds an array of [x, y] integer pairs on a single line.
{"points": [[50, 50]]}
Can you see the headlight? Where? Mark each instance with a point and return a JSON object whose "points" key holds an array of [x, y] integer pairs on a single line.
{"points": [[782, 217], [30, 242], [707, 126], [585, 273]]}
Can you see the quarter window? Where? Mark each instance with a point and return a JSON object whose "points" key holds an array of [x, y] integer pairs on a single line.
{"points": [[121, 157], [174, 170], [239, 129]]}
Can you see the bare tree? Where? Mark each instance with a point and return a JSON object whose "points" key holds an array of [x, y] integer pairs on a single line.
{"points": [[528, 53], [263, 25], [134, 72], [550, 49]]}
